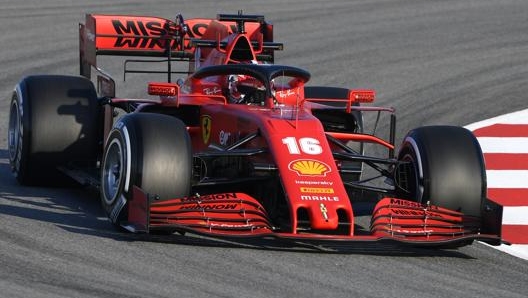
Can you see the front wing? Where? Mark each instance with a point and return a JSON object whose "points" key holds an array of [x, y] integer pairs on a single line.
{"points": [[240, 215]]}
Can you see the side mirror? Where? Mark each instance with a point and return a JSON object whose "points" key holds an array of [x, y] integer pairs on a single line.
{"points": [[163, 89]]}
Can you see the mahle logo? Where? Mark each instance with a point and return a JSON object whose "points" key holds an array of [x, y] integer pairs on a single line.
{"points": [[309, 167]]}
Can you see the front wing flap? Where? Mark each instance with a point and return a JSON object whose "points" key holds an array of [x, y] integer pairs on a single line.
{"points": [[240, 215], [219, 214], [402, 218]]}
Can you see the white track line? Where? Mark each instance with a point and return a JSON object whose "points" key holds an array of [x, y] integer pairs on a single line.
{"points": [[515, 215], [504, 145], [519, 117], [507, 178]]}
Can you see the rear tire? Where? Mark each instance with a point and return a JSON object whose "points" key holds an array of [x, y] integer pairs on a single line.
{"points": [[53, 121], [151, 151], [445, 168]]}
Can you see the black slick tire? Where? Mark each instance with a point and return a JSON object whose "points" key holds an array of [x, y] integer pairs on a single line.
{"points": [[445, 167], [54, 121], [150, 151]]}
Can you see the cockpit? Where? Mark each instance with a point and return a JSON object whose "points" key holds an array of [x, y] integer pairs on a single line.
{"points": [[251, 84]]}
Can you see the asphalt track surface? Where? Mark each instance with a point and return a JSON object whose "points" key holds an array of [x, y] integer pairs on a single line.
{"points": [[436, 62]]}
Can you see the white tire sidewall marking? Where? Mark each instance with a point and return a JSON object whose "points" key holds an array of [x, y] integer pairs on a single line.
{"points": [[414, 145], [126, 137]]}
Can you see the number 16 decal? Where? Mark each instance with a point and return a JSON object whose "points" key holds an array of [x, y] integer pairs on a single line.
{"points": [[305, 145]]}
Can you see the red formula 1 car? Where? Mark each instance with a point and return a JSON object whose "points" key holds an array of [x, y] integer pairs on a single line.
{"points": [[241, 146]]}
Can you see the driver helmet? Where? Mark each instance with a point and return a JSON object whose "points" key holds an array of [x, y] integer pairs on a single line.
{"points": [[245, 89], [234, 96]]}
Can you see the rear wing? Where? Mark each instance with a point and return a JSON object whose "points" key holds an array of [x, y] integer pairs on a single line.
{"points": [[173, 40]]}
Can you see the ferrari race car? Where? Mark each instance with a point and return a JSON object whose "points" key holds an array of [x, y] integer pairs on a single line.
{"points": [[232, 144]]}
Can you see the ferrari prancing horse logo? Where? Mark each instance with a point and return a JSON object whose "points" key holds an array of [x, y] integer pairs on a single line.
{"points": [[206, 128]]}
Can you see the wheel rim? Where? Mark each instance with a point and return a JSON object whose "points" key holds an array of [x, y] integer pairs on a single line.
{"points": [[409, 179], [14, 133], [113, 172]]}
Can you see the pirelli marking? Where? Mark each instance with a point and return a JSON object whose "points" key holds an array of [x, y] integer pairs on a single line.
{"points": [[317, 190]]}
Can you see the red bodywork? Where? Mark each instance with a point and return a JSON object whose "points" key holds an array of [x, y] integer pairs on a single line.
{"points": [[280, 135]]}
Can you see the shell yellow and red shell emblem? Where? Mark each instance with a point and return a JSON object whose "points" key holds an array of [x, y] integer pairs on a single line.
{"points": [[309, 167]]}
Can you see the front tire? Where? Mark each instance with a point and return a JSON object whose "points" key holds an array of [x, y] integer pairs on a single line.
{"points": [[151, 151], [443, 166]]}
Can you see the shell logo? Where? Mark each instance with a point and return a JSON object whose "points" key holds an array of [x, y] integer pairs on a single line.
{"points": [[309, 167]]}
